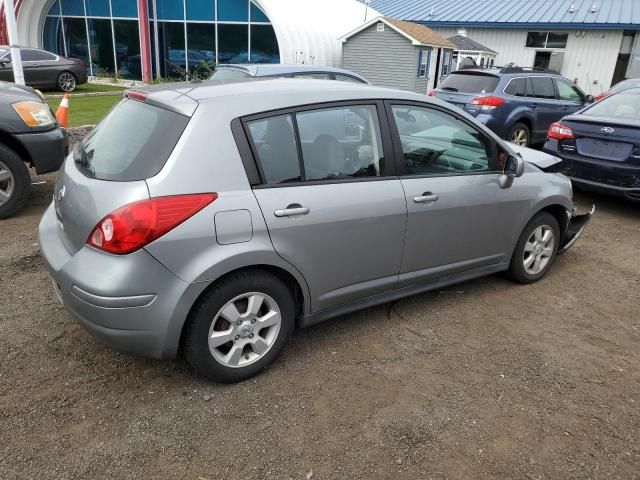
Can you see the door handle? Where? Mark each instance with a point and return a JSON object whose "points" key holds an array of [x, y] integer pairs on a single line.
{"points": [[426, 197], [534, 105], [292, 210], [565, 107]]}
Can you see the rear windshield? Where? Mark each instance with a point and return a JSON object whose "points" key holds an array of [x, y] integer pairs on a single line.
{"points": [[470, 83], [132, 142], [229, 74], [621, 105]]}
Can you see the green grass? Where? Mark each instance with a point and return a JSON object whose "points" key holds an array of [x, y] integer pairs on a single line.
{"points": [[86, 110], [88, 88]]}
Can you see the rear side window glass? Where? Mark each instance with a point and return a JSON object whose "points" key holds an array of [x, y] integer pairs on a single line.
{"points": [[517, 87], [29, 55], [319, 76], [229, 74], [341, 142], [470, 83], [621, 105], [347, 78], [275, 145], [133, 142], [543, 87]]}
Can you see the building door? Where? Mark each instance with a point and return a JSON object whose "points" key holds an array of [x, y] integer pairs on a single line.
{"points": [[556, 61], [542, 60]]}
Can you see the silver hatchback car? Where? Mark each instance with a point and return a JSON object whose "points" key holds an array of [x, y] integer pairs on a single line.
{"points": [[212, 220]]}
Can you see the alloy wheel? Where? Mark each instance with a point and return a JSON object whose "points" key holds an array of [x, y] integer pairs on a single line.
{"points": [[67, 82], [244, 329], [538, 250], [7, 184], [520, 137]]}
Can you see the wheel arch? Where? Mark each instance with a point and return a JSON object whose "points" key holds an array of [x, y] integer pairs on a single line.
{"points": [[15, 145], [298, 288]]}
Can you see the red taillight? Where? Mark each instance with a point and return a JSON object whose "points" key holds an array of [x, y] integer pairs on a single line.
{"points": [[137, 224], [558, 131], [601, 96], [431, 94], [136, 95], [487, 103]]}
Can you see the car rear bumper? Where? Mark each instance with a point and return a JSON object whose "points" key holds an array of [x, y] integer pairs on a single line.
{"points": [[613, 178], [131, 302], [47, 150]]}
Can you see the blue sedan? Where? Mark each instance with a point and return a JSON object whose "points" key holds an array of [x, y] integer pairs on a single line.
{"points": [[600, 145]]}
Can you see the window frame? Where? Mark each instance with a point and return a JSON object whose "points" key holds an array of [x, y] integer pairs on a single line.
{"points": [[424, 59], [546, 40], [401, 166], [250, 158]]}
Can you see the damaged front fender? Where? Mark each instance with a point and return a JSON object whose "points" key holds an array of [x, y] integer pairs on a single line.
{"points": [[575, 228]]}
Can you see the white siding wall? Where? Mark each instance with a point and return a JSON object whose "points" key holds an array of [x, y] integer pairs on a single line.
{"points": [[591, 59]]}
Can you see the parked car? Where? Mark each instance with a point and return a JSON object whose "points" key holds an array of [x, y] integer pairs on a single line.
{"points": [[517, 103], [44, 69], [236, 71], [29, 137], [600, 146], [620, 87], [236, 212]]}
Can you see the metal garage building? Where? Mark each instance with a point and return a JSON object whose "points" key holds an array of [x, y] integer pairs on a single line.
{"points": [[594, 42]]}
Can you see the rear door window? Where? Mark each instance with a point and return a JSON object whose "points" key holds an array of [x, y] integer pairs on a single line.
{"points": [[133, 142], [30, 55], [319, 76], [543, 87], [275, 145], [347, 78], [470, 83], [517, 87]]}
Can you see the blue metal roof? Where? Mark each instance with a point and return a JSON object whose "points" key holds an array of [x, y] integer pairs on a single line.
{"points": [[516, 13]]}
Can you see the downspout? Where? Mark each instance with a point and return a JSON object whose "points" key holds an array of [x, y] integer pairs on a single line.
{"points": [[145, 41]]}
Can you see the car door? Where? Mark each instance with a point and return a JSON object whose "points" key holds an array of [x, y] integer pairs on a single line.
{"points": [[459, 218], [6, 68], [570, 97], [330, 198], [39, 67], [548, 109]]}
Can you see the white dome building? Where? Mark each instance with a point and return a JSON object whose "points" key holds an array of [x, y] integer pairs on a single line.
{"points": [[110, 35]]}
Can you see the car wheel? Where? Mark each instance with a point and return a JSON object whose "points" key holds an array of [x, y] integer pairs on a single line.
{"points": [[536, 249], [15, 182], [67, 82], [239, 327], [520, 135]]}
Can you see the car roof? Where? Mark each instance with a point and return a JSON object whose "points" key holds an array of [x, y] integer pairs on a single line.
{"points": [[262, 69], [259, 95]]}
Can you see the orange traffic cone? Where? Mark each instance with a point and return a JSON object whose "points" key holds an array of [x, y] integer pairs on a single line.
{"points": [[62, 114]]}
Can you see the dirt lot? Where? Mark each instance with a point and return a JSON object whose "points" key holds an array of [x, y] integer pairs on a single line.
{"points": [[484, 380]]}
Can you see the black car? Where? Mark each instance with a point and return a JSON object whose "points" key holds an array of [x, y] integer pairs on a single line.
{"points": [[600, 145], [44, 69], [29, 137]]}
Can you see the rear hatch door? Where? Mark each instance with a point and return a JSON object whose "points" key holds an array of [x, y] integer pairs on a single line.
{"points": [[109, 167], [461, 87]]}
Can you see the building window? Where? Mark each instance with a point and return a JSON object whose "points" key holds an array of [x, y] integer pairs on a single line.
{"points": [[547, 40], [424, 61], [446, 64], [184, 35], [380, 27]]}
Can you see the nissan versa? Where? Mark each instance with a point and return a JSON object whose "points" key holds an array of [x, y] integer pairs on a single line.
{"points": [[211, 220]]}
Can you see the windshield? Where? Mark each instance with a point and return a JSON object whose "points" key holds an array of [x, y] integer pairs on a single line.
{"points": [[470, 83], [229, 74], [132, 142], [621, 105]]}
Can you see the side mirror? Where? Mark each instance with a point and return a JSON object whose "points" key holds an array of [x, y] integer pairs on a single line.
{"points": [[590, 99], [513, 168]]}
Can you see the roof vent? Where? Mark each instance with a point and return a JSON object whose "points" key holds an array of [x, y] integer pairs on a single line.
{"points": [[572, 8], [462, 31], [593, 8], [380, 27]]}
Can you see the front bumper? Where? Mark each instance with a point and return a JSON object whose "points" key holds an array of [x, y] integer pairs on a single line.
{"points": [[575, 228], [47, 150], [131, 302]]}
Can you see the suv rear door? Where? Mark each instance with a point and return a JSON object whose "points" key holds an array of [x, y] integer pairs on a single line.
{"points": [[570, 97], [547, 108], [461, 87], [331, 202]]}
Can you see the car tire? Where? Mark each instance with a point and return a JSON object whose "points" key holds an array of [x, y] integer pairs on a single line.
{"points": [[15, 182], [520, 135], [226, 342], [66, 82], [534, 253]]}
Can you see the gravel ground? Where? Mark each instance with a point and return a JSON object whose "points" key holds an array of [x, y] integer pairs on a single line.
{"points": [[486, 379]]}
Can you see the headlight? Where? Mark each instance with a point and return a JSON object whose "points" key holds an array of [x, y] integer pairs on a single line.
{"points": [[34, 114]]}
